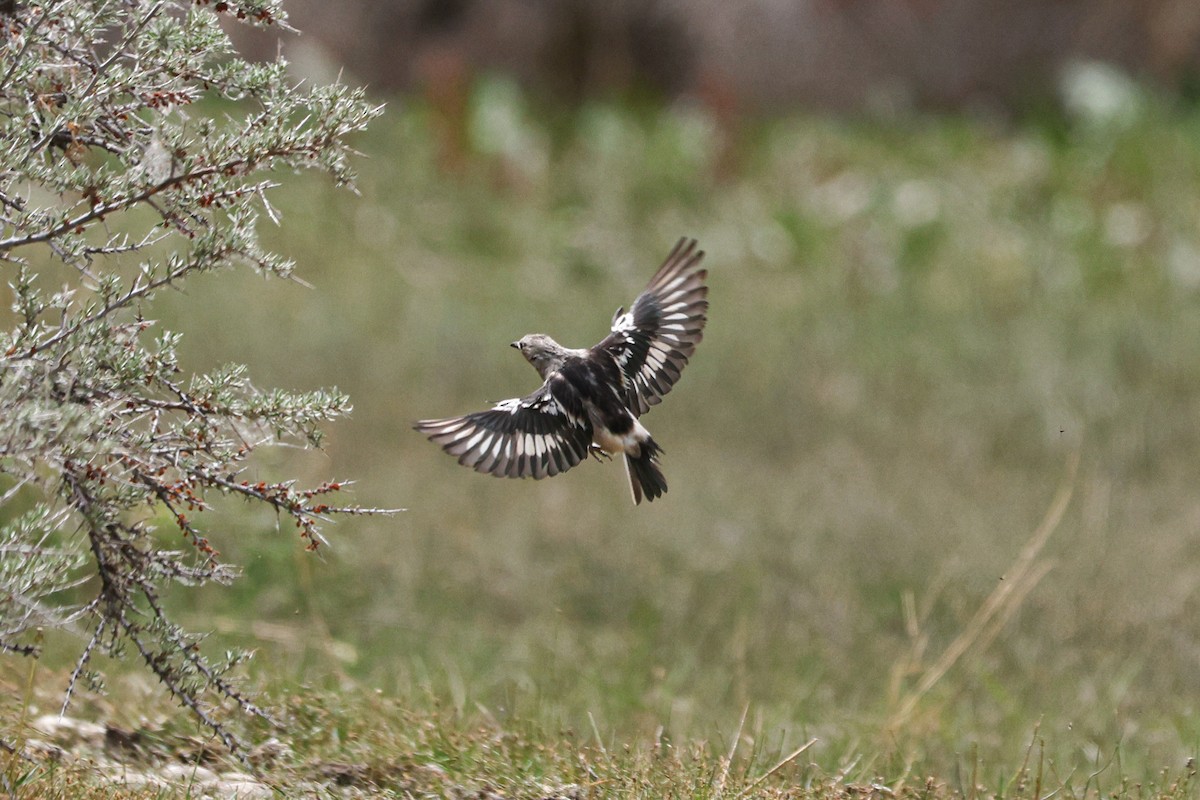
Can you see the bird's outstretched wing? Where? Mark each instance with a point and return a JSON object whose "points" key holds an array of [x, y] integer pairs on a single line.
{"points": [[654, 340], [543, 434]]}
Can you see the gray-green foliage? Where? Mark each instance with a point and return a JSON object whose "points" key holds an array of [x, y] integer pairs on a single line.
{"points": [[114, 185]]}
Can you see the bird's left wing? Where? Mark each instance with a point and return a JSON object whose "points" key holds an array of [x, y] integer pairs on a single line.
{"points": [[653, 341], [543, 434]]}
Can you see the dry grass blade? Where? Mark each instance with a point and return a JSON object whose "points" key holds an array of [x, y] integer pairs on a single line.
{"points": [[1000, 605], [719, 787], [783, 763], [596, 733]]}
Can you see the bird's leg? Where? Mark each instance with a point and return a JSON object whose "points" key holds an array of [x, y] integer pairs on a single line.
{"points": [[599, 453]]}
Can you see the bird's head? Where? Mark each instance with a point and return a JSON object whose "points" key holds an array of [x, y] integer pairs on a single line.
{"points": [[544, 353]]}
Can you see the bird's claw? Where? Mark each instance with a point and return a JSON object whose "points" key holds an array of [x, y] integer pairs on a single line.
{"points": [[599, 453]]}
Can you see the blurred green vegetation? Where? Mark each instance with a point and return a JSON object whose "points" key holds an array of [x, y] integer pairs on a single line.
{"points": [[914, 324]]}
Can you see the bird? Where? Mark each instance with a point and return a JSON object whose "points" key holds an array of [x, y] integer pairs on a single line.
{"points": [[592, 399]]}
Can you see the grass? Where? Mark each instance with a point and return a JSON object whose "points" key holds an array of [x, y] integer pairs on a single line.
{"points": [[353, 741], [925, 333]]}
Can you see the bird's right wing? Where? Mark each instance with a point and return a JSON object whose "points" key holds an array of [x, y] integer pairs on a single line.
{"points": [[543, 434], [653, 341]]}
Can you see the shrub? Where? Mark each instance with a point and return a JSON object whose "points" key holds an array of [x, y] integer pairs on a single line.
{"points": [[116, 182]]}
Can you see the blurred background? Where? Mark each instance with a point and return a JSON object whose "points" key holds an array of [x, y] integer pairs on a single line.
{"points": [[762, 55], [953, 246]]}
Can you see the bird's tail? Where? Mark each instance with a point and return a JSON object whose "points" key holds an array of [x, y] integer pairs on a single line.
{"points": [[645, 478]]}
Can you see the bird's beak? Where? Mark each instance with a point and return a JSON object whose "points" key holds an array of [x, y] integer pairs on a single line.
{"points": [[515, 344]]}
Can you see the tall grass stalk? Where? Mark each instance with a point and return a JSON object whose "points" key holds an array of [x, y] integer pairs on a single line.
{"points": [[999, 606]]}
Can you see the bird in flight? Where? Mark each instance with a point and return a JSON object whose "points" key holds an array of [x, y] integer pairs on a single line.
{"points": [[591, 399]]}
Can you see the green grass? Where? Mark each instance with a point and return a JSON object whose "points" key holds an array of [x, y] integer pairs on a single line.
{"points": [[354, 742], [915, 327]]}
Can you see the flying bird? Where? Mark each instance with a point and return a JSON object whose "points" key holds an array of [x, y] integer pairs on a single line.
{"points": [[591, 400]]}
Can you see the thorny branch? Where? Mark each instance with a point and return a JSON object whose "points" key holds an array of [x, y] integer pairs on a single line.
{"points": [[101, 210]]}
